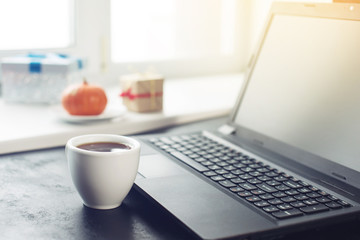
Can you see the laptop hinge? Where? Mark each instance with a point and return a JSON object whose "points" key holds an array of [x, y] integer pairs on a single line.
{"points": [[226, 129]]}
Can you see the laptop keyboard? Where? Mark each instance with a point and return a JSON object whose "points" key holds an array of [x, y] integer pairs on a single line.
{"points": [[274, 192]]}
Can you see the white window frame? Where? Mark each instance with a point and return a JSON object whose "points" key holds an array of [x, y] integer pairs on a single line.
{"points": [[92, 40], [70, 49]]}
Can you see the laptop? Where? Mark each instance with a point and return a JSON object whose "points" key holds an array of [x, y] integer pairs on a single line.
{"points": [[287, 158]]}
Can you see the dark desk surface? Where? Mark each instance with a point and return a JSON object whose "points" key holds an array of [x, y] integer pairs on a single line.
{"points": [[38, 201]]}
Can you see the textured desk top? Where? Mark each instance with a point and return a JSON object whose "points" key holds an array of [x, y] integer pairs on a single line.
{"points": [[38, 201]]}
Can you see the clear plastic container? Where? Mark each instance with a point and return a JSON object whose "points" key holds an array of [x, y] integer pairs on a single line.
{"points": [[37, 78]]}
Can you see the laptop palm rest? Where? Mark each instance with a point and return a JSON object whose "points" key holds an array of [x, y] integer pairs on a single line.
{"points": [[195, 202], [156, 165]]}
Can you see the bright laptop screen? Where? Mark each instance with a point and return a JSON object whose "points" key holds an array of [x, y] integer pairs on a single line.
{"points": [[305, 87]]}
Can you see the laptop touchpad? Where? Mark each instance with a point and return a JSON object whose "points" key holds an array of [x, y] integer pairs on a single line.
{"points": [[156, 165]]}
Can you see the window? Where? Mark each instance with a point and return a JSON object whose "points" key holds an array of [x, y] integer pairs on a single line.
{"points": [[176, 37], [36, 24], [154, 30]]}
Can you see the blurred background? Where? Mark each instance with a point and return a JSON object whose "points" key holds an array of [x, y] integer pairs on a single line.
{"points": [[177, 38]]}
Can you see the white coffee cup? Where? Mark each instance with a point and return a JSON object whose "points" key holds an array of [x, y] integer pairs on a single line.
{"points": [[103, 179]]}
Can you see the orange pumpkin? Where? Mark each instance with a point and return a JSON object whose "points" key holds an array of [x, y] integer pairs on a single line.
{"points": [[84, 99]]}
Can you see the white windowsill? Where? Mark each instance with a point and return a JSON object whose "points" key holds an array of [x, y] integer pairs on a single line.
{"points": [[29, 127]]}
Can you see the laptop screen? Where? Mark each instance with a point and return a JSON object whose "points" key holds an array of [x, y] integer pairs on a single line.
{"points": [[304, 89]]}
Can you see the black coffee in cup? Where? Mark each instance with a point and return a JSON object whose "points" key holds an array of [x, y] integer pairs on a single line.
{"points": [[104, 146]]}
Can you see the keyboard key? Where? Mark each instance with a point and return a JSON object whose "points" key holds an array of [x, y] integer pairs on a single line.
{"points": [[180, 149], [255, 166], [333, 198], [189, 161], [291, 192], [282, 187], [261, 204], [254, 181], [292, 184], [225, 158], [237, 172], [312, 188], [263, 170], [245, 176], [285, 175], [166, 140], [206, 163], [225, 150], [232, 161], [232, 154], [236, 189], [253, 199], [214, 167], [333, 205], [301, 197], [304, 190], [287, 214], [315, 208], [244, 194], [230, 168], [208, 156], [270, 209], [209, 173], [222, 164], [229, 176], [273, 183], [200, 159], [343, 203], [313, 195], [279, 194], [202, 152], [180, 138], [288, 199], [247, 186], [217, 178], [305, 184], [257, 192], [284, 206], [211, 150], [310, 202], [298, 204], [266, 196], [227, 184], [271, 174], [247, 161], [188, 152], [221, 171], [280, 178], [275, 201], [247, 169], [237, 180], [218, 154], [164, 147], [266, 188], [193, 156], [264, 178], [323, 200], [255, 174], [322, 193], [239, 165]]}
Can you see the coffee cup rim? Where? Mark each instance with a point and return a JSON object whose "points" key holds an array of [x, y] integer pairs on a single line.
{"points": [[72, 143]]}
